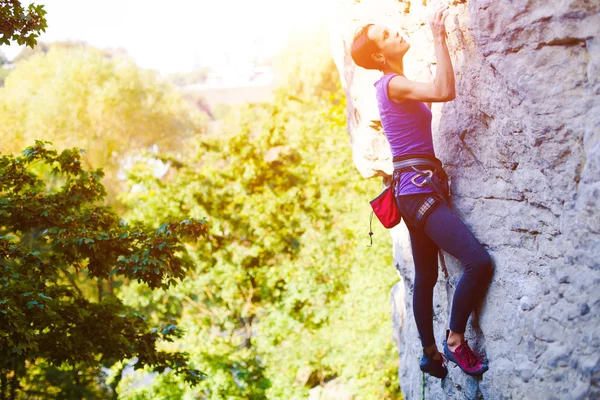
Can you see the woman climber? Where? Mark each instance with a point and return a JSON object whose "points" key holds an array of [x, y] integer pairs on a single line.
{"points": [[421, 189]]}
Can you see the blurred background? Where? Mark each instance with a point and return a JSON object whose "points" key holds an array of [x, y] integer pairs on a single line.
{"points": [[227, 111]]}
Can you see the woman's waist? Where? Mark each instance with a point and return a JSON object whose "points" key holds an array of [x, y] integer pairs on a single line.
{"points": [[414, 162], [400, 156]]}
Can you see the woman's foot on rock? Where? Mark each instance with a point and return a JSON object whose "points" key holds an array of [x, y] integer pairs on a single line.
{"points": [[468, 360], [434, 363]]}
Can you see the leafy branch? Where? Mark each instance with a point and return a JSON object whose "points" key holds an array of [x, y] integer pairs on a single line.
{"points": [[48, 232]]}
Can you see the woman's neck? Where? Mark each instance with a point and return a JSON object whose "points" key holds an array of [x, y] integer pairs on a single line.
{"points": [[392, 67]]}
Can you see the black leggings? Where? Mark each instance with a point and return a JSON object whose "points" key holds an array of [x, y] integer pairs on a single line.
{"points": [[445, 229]]}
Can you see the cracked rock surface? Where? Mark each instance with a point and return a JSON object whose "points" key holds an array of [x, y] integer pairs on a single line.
{"points": [[521, 143]]}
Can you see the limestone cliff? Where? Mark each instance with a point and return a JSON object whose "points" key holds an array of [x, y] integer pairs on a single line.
{"points": [[521, 143]]}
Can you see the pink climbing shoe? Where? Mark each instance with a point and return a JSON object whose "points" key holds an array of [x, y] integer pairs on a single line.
{"points": [[468, 360]]}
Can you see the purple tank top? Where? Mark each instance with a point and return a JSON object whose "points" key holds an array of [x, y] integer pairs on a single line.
{"points": [[407, 127]]}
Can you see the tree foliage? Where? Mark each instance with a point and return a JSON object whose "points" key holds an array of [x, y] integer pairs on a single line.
{"points": [[290, 297], [20, 24], [281, 295], [78, 96], [304, 67], [52, 233], [44, 47]]}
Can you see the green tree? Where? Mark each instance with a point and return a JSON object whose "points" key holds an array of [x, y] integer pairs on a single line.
{"points": [[44, 47], [54, 241], [290, 298], [304, 67], [77, 96], [19, 24]]}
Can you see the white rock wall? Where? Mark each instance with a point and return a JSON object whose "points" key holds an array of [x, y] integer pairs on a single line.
{"points": [[521, 143]]}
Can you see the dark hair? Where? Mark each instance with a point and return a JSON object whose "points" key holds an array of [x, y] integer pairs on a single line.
{"points": [[362, 48]]}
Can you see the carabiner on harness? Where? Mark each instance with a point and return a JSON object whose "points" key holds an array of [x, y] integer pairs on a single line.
{"points": [[419, 174]]}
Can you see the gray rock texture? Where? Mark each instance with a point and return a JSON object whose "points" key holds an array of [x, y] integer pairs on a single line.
{"points": [[521, 143]]}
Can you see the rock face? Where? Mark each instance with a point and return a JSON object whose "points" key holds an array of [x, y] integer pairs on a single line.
{"points": [[521, 143]]}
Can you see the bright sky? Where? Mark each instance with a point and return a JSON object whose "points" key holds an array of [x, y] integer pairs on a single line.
{"points": [[180, 35]]}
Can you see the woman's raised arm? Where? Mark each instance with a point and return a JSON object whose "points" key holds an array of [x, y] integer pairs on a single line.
{"points": [[443, 88]]}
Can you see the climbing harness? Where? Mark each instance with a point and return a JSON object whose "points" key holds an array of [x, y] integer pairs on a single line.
{"points": [[435, 177], [410, 162]]}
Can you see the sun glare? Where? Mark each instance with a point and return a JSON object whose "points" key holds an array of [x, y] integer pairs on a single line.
{"points": [[180, 35]]}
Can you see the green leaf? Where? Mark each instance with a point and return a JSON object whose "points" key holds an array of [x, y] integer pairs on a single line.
{"points": [[31, 303]]}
